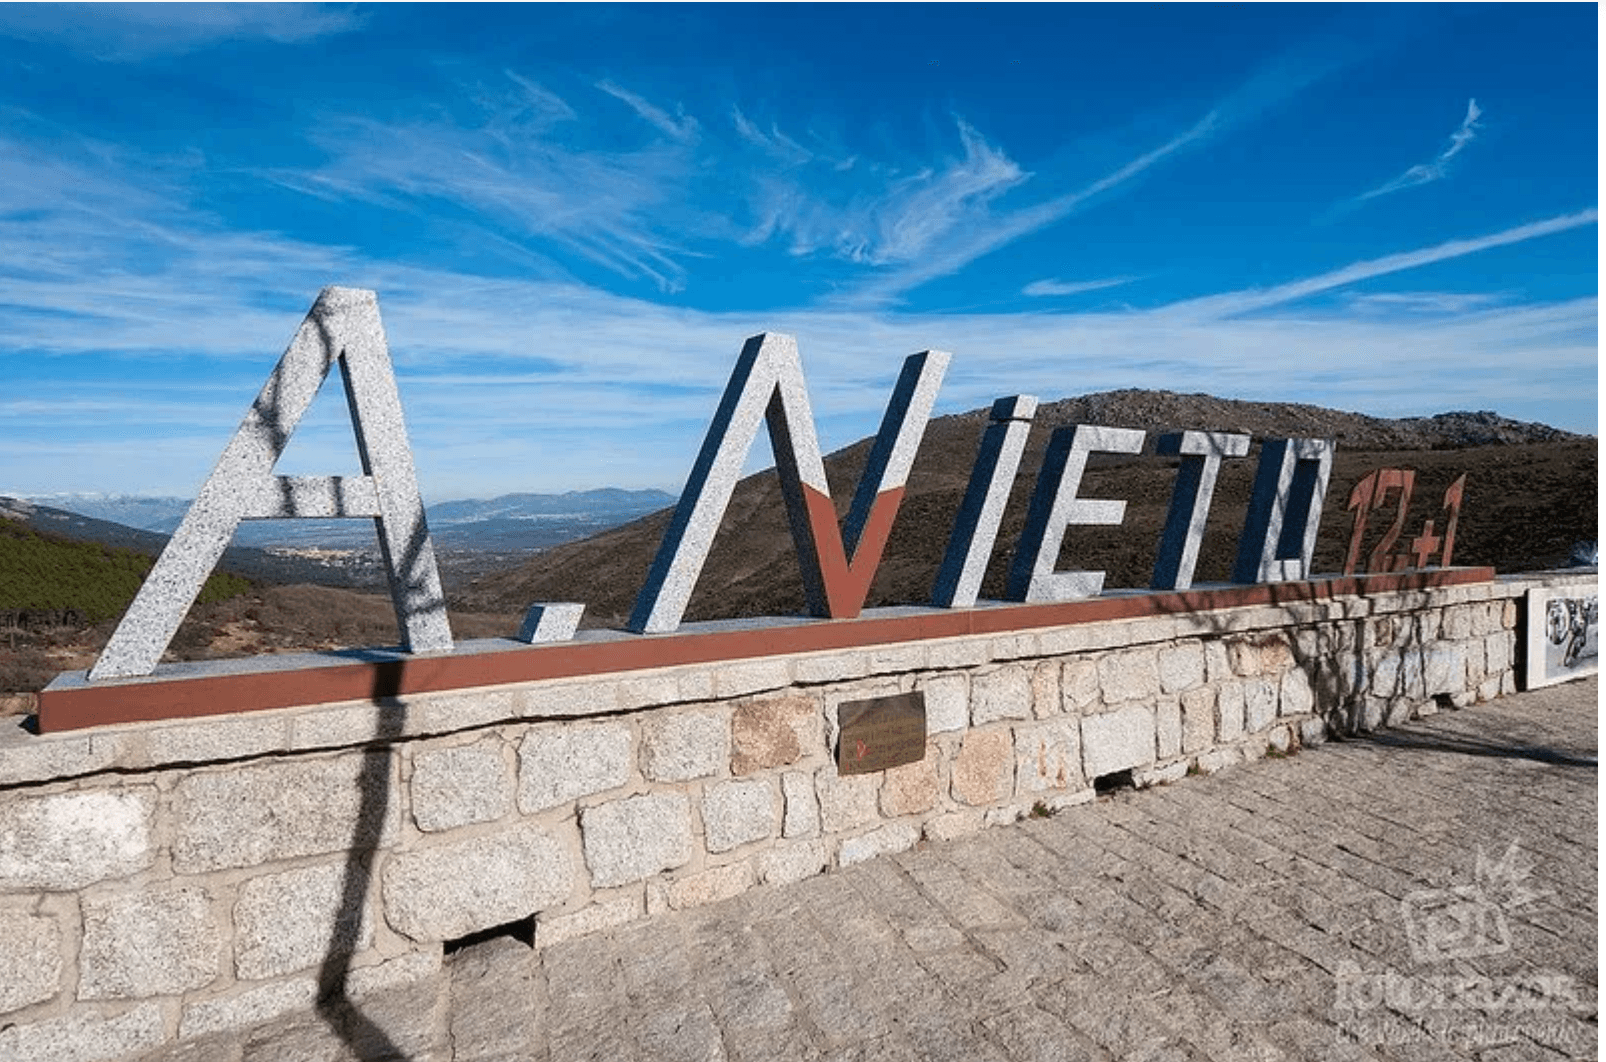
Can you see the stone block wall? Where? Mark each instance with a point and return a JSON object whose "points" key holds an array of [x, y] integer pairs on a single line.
{"points": [[166, 886]]}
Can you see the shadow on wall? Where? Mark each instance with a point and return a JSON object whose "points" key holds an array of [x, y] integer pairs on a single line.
{"points": [[362, 1036], [1352, 693]]}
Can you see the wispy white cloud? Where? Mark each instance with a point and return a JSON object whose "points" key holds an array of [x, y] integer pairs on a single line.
{"points": [[501, 374], [1439, 168], [774, 143], [883, 217], [1424, 301], [516, 178], [1233, 303], [683, 128], [1049, 288], [139, 31], [990, 233], [524, 382]]}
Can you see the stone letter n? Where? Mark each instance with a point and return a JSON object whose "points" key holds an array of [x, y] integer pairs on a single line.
{"points": [[343, 326], [837, 563]]}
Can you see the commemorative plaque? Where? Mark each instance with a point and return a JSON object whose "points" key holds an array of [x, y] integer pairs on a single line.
{"points": [[881, 732]]}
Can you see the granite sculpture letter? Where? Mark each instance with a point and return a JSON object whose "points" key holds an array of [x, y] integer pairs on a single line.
{"points": [[982, 509], [837, 563], [1285, 511], [1201, 453], [1055, 507], [342, 327]]}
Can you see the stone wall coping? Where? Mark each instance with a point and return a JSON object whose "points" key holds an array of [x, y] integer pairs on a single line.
{"points": [[173, 691], [27, 757]]}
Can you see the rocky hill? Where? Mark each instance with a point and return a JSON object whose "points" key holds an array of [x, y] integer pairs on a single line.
{"points": [[1531, 496]]}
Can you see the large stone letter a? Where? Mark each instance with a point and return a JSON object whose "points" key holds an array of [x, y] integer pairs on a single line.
{"points": [[837, 564], [343, 326]]}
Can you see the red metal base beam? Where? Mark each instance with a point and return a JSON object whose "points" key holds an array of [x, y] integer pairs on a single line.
{"points": [[74, 704]]}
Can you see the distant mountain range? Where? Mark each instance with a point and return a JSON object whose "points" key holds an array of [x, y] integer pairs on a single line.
{"points": [[509, 522]]}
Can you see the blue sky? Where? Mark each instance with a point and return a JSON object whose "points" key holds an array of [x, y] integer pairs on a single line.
{"points": [[574, 216]]}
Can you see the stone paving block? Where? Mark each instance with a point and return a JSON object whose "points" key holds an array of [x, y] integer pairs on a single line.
{"points": [[1245, 657], [1168, 727], [816, 668], [43, 757], [148, 943], [1131, 675], [1296, 696], [558, 764], [1456, 622], [1079, 683], [1280, 738], [1118, 740], [1497, 652], [644, 689], [893, 659], [846, 803], [1017, 646], [893, 837], [1198, 719], [598, 916], [68, 840], [1000, 693], [1047, 702], [401, 972], [446, 891], [1260, 704], [788, 863], [246, 816], [911, 788], [459, 785], [947, 702], [737, 812], [245, 1009], [446, 712], [1181, 666], [1048, 756], [1312, 731], [774, 732], [223, 738], [710, 886], [801, 814], [953, 825], [983, 771], [682, 745], [634, 838], [1276, 654], [294, 920], [30, 959], [1384, 679], [754, 676], [84, 1036], [681, 1033], [406, 1023], [497, 996]]}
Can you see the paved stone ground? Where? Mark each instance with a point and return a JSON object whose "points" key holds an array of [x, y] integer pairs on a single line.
{"points": [[1428, 893], [1327, 905]]}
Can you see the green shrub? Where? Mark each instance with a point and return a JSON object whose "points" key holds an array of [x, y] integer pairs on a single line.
{"points": [[41, 571]]}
